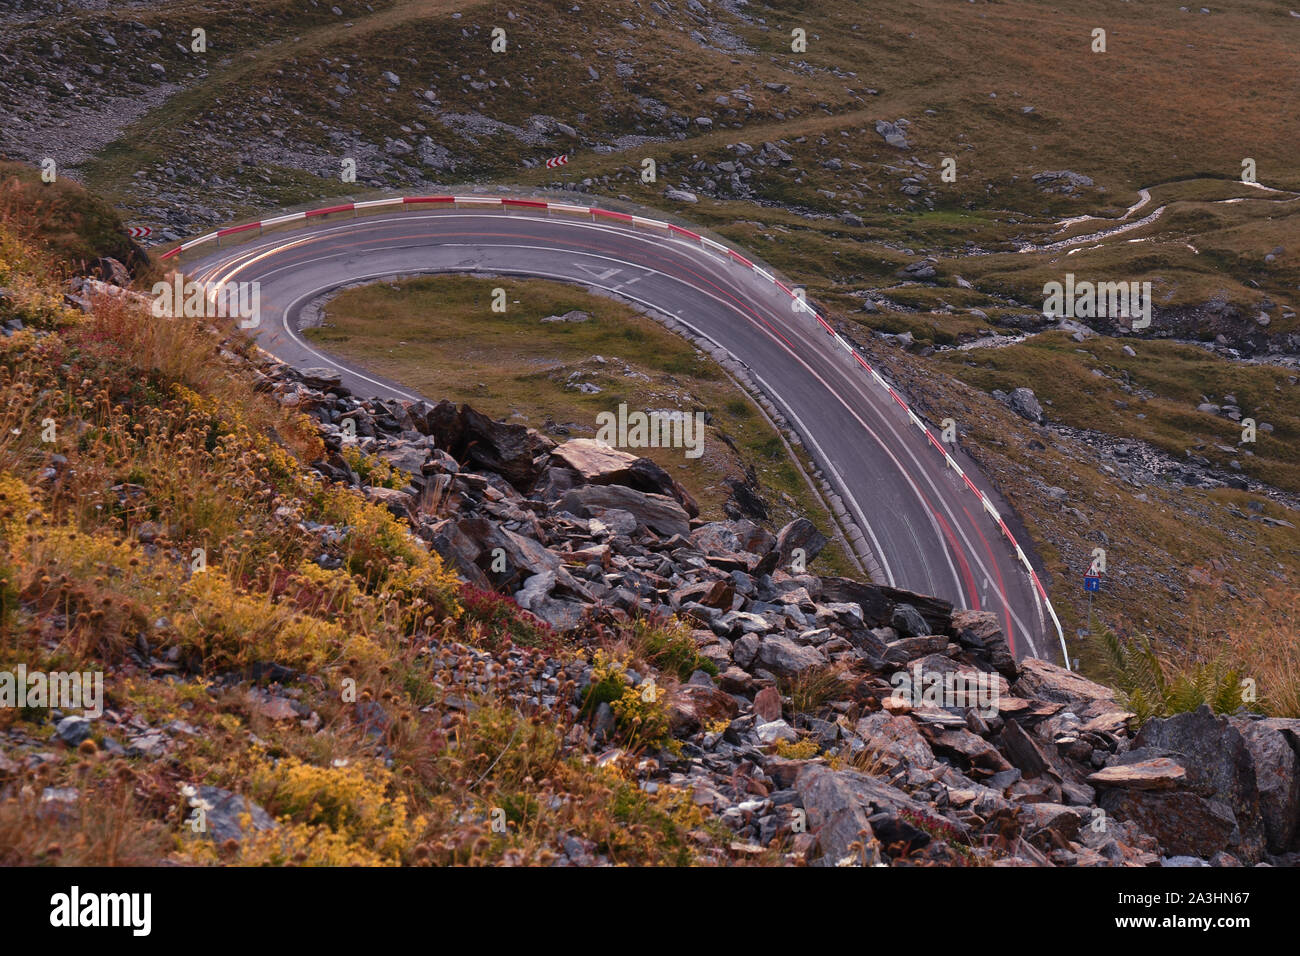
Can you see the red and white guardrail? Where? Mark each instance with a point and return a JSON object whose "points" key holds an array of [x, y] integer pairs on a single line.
{"points": [[731, 254]]}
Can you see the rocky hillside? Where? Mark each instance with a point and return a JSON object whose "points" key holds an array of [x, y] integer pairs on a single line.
{"points": [[780, 713], [333, 630]]}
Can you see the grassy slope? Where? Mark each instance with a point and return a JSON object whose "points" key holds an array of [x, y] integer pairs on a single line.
{"points": [[1153, 396], [76, 227]]}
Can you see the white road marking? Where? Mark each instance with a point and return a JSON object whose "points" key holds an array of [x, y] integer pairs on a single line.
{"points": [[601, 274]]}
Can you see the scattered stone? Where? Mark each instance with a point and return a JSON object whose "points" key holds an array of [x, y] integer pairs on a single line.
{"points": [[892, 133], [229, 816], [73, 730], [1024, 403]]}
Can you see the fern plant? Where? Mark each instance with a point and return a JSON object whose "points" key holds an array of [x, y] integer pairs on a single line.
{"points": [[1153, 687]]}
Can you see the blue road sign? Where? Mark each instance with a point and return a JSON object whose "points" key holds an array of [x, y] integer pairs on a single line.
{"points": [[1091, 582]]}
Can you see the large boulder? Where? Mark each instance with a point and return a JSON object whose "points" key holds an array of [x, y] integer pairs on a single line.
{"points": [[969, 750], [839, 805], [1151, 773], [1040, 680], [1183, 822], [716, 537], [1219, 762], [648, 476], [1025, 404], [660, 514], [458, 549], [598, 463], [981, 632], [500, 557], [785, 658], [878, 603], [908, 622], [513, 451], [895, 740], [752, 537], [1274, 743], [442, 422], [800, 534], [1022, 751], [321, 379], [553, 482]]}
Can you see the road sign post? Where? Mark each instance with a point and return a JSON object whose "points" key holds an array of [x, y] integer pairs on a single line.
{"points": [[1091, 584]]}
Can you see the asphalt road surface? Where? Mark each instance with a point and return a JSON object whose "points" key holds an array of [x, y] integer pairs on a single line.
{"points": [[926, 531]]}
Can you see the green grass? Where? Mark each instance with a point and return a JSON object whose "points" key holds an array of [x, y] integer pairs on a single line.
{"points": [[1152, 396]]}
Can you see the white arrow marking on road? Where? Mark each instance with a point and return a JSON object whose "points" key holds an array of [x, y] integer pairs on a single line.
{"points": [[601, 274]]}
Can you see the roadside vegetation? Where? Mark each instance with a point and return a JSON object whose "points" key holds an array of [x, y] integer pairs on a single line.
{"points": [[158, 524]]}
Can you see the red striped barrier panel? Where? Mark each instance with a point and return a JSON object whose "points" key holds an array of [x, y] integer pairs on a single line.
{"points": [[346, 207]]}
